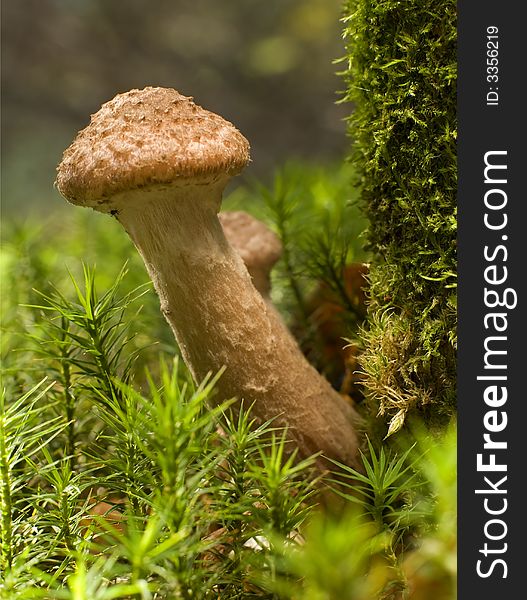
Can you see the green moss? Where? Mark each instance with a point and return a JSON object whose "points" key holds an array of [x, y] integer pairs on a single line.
{"points": [[401, 78]]}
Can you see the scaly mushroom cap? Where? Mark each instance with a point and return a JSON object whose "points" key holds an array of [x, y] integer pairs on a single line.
{"points": [[258, 246], [153, 136]]}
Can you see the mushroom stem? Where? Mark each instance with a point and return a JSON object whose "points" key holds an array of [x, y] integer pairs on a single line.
{"points": [[219, 319]]}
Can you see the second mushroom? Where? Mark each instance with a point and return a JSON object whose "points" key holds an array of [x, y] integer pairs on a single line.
{"points": [[159, 163]]}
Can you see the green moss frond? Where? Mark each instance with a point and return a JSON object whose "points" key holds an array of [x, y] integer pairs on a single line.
{"points": [[401, 79]]}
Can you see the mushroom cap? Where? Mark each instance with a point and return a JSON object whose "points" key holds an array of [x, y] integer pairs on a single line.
{"points": [[154, 136], [258, 246]]}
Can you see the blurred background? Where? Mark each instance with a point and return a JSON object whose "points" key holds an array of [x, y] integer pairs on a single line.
{"points": [[266, 66]]}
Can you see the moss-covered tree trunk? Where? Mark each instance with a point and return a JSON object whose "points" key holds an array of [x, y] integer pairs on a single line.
{"points": [[401, 79]]}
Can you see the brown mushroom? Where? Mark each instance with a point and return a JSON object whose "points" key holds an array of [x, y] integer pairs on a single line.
{"points": [[258, 246], [159, 164]]}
